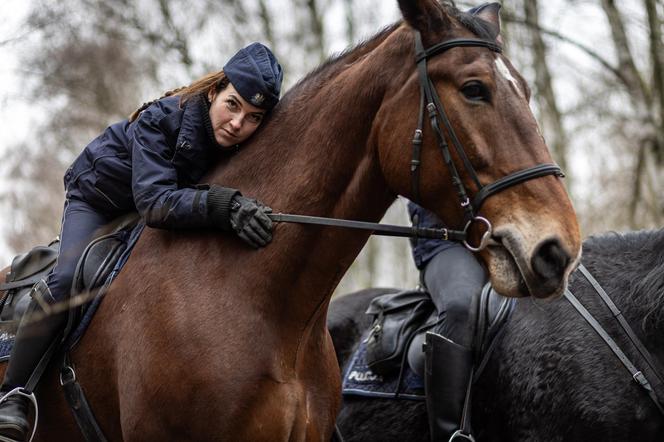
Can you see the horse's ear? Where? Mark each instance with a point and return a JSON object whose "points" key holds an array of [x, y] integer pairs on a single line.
{"points": [[490, 13], [424, 15]]}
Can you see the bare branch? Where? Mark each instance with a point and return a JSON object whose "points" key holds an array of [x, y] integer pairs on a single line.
{"points": [[557, 35]]}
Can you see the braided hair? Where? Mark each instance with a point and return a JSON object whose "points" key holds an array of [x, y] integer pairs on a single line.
{"points": [[203, 85]]}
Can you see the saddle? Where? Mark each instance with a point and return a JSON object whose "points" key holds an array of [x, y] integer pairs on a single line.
{"points": [[93, 268], [400, 321], [26, 270]]}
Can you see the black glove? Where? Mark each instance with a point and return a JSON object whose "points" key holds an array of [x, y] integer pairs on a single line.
{"points": [[250, 222], [229, 210]]}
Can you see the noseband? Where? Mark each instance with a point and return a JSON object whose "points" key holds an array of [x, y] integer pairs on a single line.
{"points": [[430, 100]]}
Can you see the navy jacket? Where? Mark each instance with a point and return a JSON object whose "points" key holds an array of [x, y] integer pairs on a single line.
{"points": [[151, 165], [426, 248]]}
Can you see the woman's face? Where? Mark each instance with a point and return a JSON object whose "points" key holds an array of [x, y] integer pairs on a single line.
{"points": [[233, 119]]}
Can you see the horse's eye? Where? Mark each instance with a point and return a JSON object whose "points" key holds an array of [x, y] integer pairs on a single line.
{"points": [[475, 91]]}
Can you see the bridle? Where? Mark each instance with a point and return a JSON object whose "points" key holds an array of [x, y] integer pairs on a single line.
{"points": [[430, 100]]}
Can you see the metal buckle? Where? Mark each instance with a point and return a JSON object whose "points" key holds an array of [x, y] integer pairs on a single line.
{"points": [[67, 378], [486, 237]]}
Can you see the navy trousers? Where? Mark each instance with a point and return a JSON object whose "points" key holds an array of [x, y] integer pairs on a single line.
{"points": [[79, 223], [452, 277]]}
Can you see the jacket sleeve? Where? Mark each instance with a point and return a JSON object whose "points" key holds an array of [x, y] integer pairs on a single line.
{"points": [[155, 180]]}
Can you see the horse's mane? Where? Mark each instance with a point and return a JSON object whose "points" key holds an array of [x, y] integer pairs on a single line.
{"points": [[337, 62], [637, 258]]}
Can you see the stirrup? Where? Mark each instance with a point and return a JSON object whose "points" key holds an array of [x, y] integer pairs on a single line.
{"points": [[458, 434], [23, 392]]}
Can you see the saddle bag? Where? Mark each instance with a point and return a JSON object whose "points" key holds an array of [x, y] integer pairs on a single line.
{"points": [[396, 318]]}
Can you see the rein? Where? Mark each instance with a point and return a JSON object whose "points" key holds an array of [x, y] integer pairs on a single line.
{"points": [[375, 228], [637, 374], [430, 100]]}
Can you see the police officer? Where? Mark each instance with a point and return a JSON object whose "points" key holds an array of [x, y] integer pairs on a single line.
{"points": [[150, 163], [452, 276]]}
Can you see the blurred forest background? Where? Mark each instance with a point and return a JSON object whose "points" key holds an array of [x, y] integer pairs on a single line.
{"points": [[596, 68]]}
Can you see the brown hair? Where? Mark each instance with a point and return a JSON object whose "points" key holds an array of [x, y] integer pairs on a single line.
{"points": [[218, 80]]}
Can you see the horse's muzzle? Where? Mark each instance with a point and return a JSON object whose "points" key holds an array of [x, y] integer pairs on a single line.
{"points": [[521, 268]]}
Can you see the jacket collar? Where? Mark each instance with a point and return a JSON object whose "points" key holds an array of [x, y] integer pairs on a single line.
{"points": [[196, 129]]}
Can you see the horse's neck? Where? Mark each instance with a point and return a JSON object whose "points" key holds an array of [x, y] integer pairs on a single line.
{"points": [[316, 157]]}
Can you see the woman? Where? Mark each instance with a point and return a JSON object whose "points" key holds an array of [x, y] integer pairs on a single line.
{"points": [[150, 163]]}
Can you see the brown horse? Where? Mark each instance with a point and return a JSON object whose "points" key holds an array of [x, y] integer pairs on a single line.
{"points": [[202, 338]]}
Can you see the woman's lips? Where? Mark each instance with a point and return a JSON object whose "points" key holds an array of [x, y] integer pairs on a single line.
{"points": [[228, 134]]}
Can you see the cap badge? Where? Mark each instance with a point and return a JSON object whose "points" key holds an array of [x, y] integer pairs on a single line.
{"points": [[258, 99]]}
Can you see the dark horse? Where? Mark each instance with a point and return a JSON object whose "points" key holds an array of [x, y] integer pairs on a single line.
{"points": [[551, 378], [202, 338]]}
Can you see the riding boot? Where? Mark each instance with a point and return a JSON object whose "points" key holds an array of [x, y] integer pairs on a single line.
{"points": [[36, 332], [447, 375]]}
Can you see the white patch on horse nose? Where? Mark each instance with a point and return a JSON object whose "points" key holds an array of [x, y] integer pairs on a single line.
{"points": [[505, 72]]}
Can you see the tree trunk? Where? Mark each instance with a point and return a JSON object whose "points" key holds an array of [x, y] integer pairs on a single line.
{"points": [[642, 101], [550, 113]]}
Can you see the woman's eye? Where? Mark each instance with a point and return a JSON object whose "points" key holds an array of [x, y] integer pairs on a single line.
{"points": [[255, 119], [232, 105], [475, 91]]}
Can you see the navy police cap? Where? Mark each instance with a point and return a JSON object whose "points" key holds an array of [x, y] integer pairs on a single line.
{"points": [[256, 74]]}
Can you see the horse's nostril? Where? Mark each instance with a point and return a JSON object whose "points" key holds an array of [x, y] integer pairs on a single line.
{"points": [[550, 260]]}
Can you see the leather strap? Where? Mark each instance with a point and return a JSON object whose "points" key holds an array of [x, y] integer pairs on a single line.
{"points": [[375, 228], [437, 115], [636, 374], [417, 152], [78, 403], [617, 314], [21, 283], [456, 43], [515, 178]]}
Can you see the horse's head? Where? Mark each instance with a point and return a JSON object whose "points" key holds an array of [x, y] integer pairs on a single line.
{"points": [[535, 242]]}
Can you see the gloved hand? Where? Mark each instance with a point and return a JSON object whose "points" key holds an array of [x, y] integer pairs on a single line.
{"points": [[250, 222]]}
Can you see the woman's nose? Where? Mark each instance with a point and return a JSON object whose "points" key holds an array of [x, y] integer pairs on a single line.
{"points": [[236, 123]]}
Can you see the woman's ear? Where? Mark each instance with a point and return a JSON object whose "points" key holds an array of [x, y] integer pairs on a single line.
{"points": [[212, 94]]}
